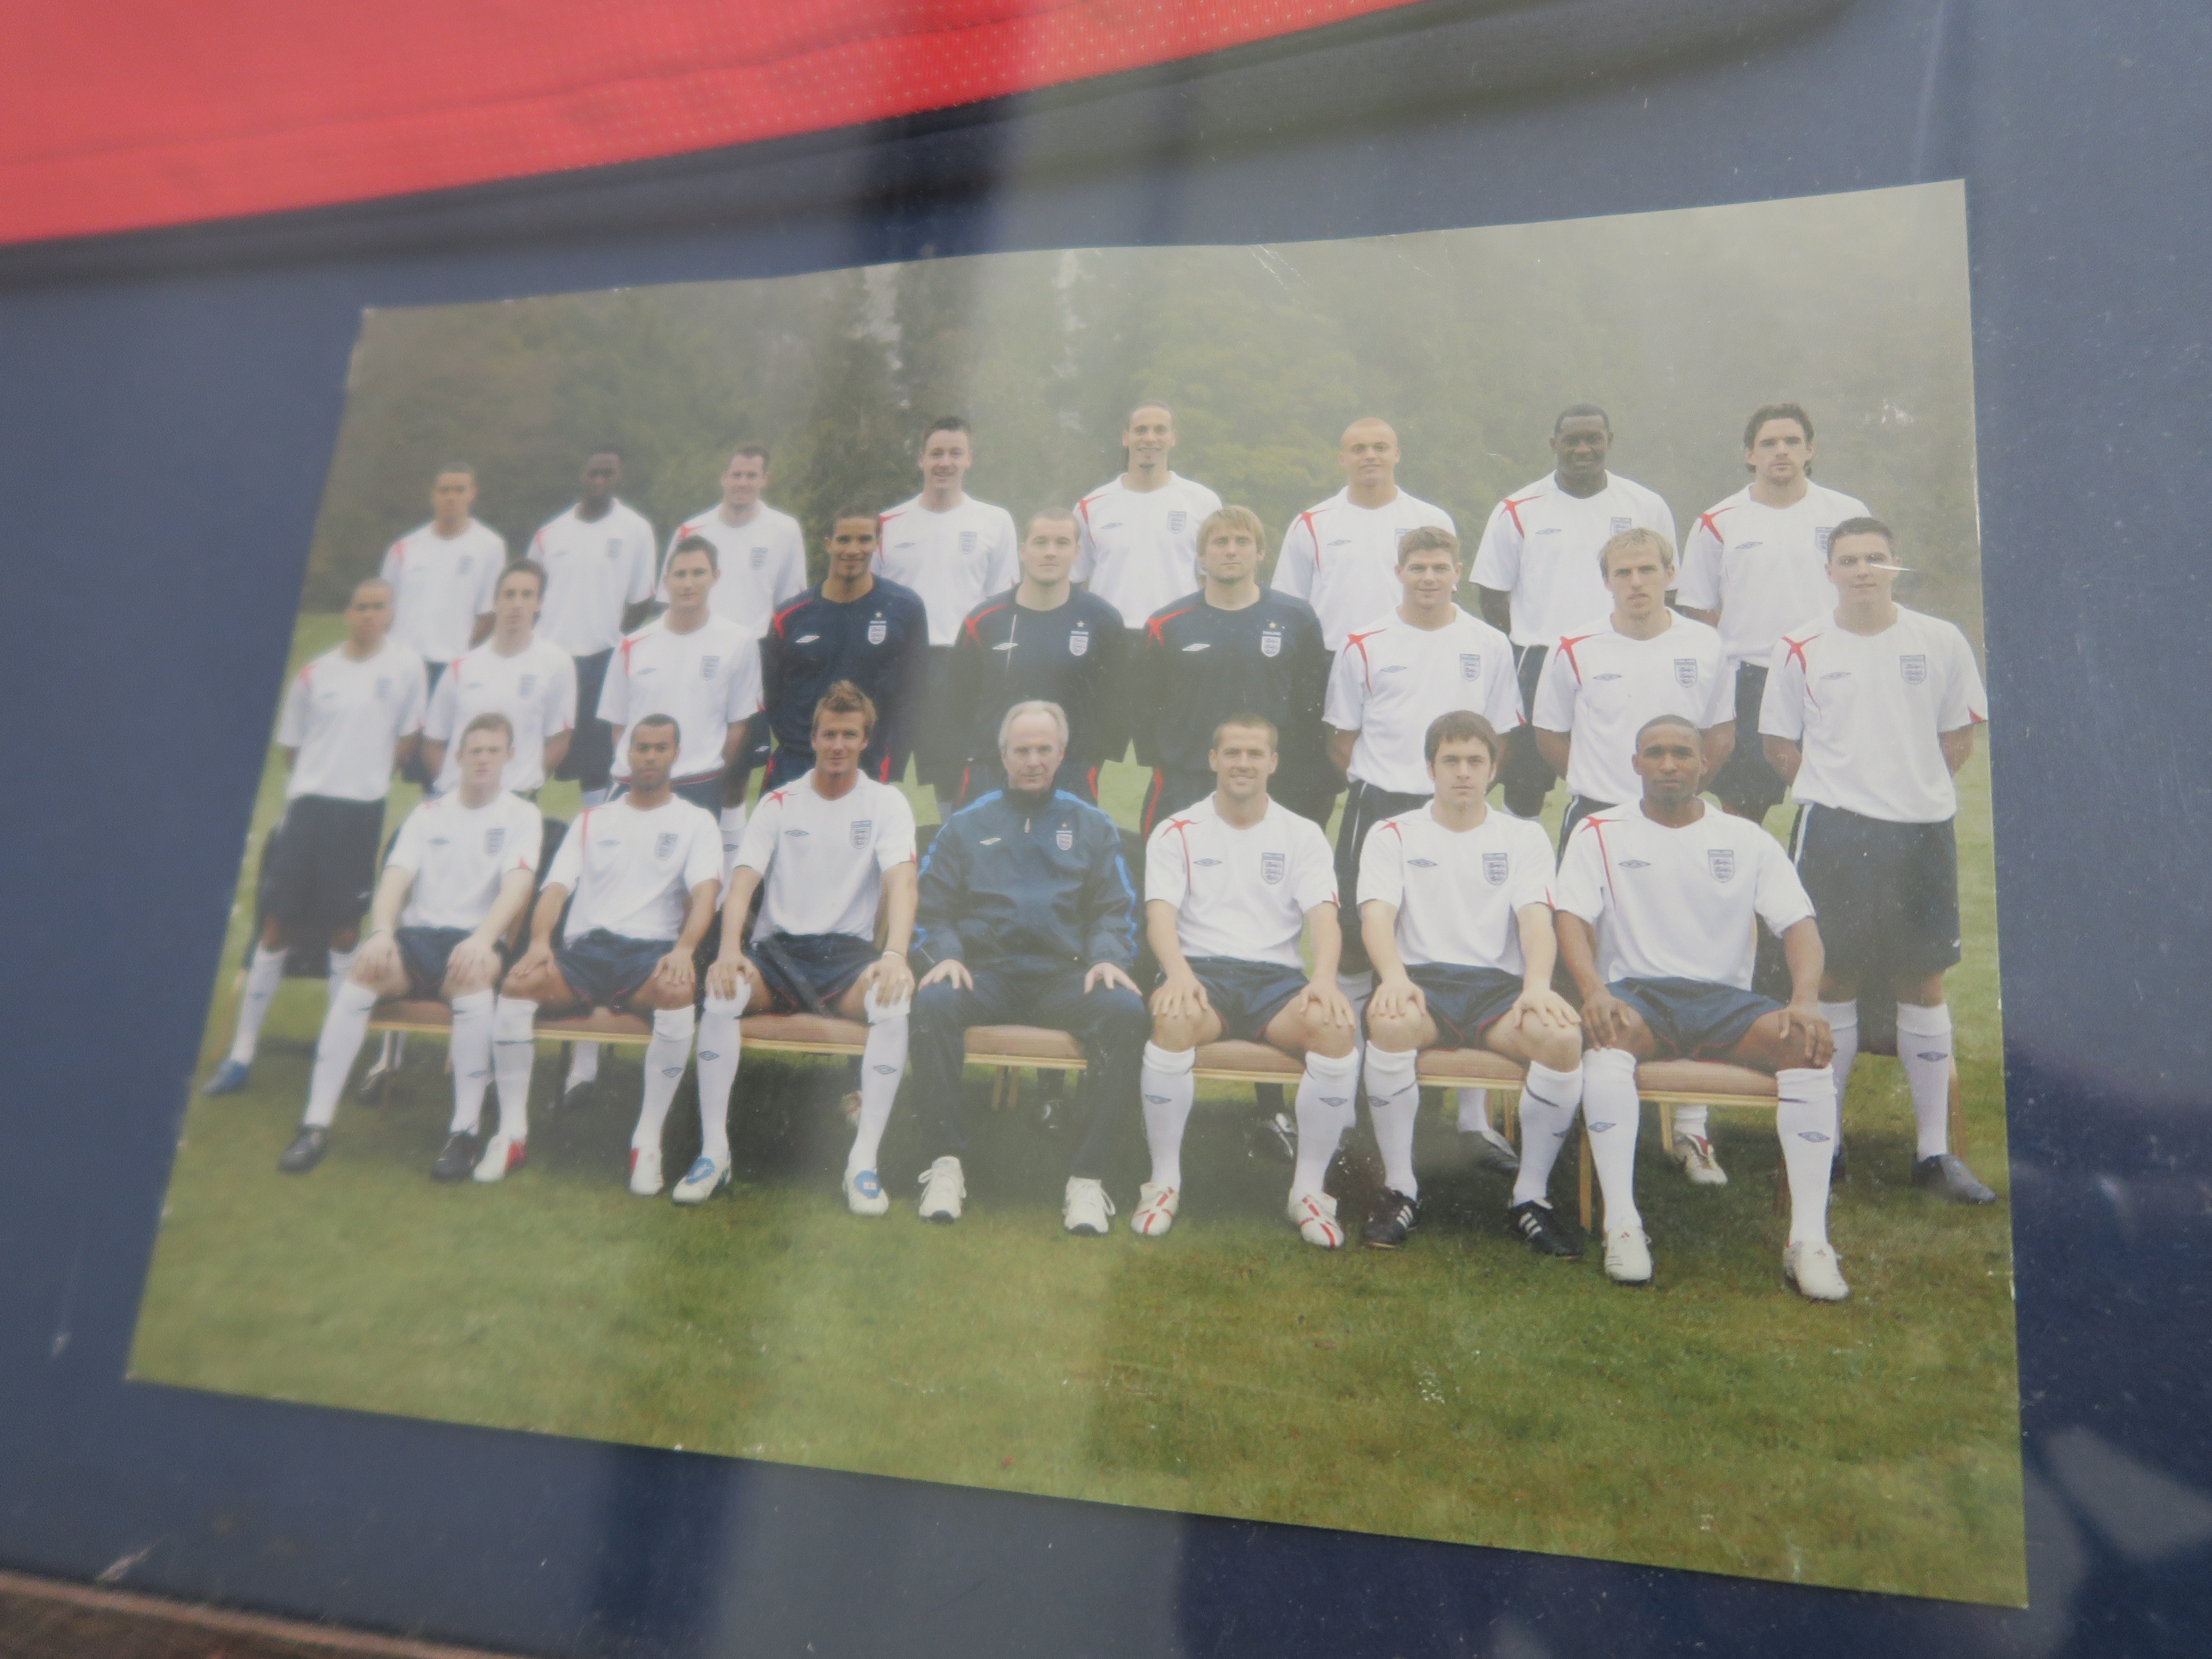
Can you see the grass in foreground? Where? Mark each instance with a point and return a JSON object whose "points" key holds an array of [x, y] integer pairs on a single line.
{"points": [[1460, 1390]]}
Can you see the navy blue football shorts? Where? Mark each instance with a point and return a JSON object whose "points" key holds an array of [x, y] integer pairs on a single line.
{"points": [[426, 952], [806, 973], [1466, 1002], [1692, 1018], [1887, 894], [603, 967], [1246, 995], [322, 869]]}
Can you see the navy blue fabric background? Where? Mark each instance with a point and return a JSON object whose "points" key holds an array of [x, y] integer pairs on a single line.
{"points": [[214, 361]]}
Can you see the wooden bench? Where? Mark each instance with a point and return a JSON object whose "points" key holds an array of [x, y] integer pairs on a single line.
{"points": [[1009, 1050]]}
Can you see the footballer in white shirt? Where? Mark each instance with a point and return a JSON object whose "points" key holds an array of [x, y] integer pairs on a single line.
{"points": [[349, 717], [458, 879], [645, 871], [1231, 883], [954, 551], [1396, 673], [1456, 906], [530, 681], [1138, 534], [1340, 556], [1869, 710], [1754, 565], [761, 551], [1656, 903], [1536, 575], [598, 559], [831, 854], [700, 669], [442, 574]]}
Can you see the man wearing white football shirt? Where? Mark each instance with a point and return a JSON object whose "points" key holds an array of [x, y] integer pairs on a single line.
{"points": [[457, 878], [1656, 902], [1396, 673], [443, 572], [1535, 573], [954, 551], [1755, 564], [349, 717], [1870, 712], [761, 551], [1230, 882], [1605, 677], [1456, 908], [598, 560], [1341, 556], [1139, 533], [831, 854], [700, 669], [645, 870], [527, 681]]}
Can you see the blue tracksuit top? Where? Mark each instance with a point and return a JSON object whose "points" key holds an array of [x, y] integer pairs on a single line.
{"points": [[1016, 880]]}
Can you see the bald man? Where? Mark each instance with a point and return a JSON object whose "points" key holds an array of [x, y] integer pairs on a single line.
{"points": [[1341, 555]]}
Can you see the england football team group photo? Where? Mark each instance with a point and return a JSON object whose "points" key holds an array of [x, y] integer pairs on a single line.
{"points": [[1352, 725]]}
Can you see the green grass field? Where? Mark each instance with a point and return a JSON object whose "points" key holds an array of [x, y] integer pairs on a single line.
{"points": [[1462, 1389]]}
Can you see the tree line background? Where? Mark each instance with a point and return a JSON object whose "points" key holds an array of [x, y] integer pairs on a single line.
{"points": [[1467, 341]]}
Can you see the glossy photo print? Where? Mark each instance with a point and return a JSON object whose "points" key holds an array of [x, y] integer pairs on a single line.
{"points": [[1348, 883]]}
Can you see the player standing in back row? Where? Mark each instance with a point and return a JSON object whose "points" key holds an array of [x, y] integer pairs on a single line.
{"points": [[760, 551], [954, 551], [1341, 556], [1536, 571], [1139, 532], [526, 681], [598, 558], [1870, 710], [1755, 564], [349, 715]]}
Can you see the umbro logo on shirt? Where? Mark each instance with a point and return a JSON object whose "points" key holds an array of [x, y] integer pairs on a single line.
{"points": [[1200, 646], [1605, 676], [440, 841], [988, 841], [1007, 645], [1840, 674], [1395, 668], [1746, 547], [1422, 864], [1636, 864], [806, 638], [1344, 541], [1116, 524], [1205, 864], [794, 832], [1549, 529]]}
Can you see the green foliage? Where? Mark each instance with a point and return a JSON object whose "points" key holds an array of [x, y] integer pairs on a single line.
{"points": [[1469, 341]]}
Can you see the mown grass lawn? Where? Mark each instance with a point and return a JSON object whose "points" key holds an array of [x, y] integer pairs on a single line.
{"points": [[1460, 1390]]}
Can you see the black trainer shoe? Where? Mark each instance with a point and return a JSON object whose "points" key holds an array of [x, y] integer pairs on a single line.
{"points": [[305, 1151], [1946, 1175], [1393, 1222], [1547, 1234], [458, 1161]]}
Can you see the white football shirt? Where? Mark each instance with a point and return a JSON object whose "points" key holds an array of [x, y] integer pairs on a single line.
{"points": [[595, 568], [1459, 892], [762, 565], [441, 585], [345, 718], [1242, 893], [705, 680], [1678, 903], [1392, 679], [1141, 547], [955, 559], [1763, 569], [632, 873], [535, 687], [458, 855], [1541, 544], [823, 861], [1343, 559], [1869, 710], [1600, 686]]}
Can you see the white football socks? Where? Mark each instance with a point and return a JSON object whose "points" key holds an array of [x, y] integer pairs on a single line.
{"points": [[514, 1047], [1612, 1114], [882, 1062], [1169, 1089], [1473, 1111], [1805, 1122], [1691, 1121], [263, 976], [1393, 1104], [471, 1047], [1549, 1101], [1843, 1019], [345, 1028], [583, 1064], [1923, 1044], [340, 962], [1324, 1112], [719, 1043], [734, 833], [666, 1057]]}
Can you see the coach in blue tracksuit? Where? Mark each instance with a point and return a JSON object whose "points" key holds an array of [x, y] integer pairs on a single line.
{"points": [[1027, 916]]}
